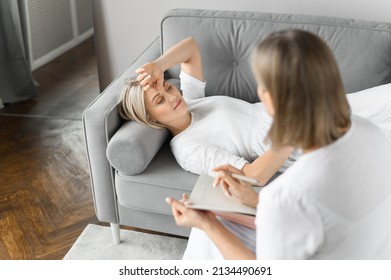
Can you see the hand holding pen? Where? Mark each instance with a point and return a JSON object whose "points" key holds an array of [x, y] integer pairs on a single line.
{"points": [[234, 183]]}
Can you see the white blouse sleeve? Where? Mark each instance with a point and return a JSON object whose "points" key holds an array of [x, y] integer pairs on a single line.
{"points": [[201, 159], [288, 227], [191, 87]]}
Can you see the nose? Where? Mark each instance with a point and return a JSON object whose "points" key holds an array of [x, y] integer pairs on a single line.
{"points": [[170, 97]]}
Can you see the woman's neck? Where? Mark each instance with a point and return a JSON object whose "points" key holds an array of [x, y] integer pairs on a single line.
{"points": [[180, 125]]}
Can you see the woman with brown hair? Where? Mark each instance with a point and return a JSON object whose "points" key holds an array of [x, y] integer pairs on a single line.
{"points": [[334, 202]]}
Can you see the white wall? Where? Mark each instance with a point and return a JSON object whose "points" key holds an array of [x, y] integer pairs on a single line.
{"points": [[124, 28]]}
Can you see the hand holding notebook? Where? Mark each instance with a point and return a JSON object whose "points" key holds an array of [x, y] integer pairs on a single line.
{"points": [[206, 197]]}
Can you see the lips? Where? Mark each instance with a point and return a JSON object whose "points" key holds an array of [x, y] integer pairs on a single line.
{"points": [[179, 103]]}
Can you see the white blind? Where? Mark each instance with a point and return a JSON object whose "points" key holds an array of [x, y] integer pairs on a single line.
{"points": [[55, 26], [50, 25]]}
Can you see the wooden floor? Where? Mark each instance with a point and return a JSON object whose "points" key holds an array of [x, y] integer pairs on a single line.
{"points": [[45, 194]]}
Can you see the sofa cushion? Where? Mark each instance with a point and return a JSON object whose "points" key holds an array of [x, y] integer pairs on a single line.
{"points": [[133, 147], [148, 190], [227, 38]]}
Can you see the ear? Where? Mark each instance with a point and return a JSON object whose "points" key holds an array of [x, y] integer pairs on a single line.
{"points": [[150, 119], [267, 100]]}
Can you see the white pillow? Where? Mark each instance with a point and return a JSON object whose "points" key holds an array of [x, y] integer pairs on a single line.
{"points": [[374, 104]]}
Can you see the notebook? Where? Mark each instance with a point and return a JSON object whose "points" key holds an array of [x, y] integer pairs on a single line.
{"points": [[205, 197]]}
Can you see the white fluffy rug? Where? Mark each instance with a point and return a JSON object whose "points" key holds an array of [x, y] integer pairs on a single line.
{"points": [[96, 243]]}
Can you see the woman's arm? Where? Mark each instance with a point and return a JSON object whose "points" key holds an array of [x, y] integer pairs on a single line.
{"points": [[262, 169], [227, 243], [265, 166], [203, 159], [199, 157], [186, 53]]}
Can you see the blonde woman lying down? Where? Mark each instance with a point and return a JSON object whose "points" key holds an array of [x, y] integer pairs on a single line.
{"points": [[207, 131]]}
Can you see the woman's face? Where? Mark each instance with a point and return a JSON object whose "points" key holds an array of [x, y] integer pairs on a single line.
{"points": [[267, 100], [165, 105]]}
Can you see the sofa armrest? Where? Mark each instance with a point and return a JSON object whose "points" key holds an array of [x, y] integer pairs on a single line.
{"points": [[100, 121]]}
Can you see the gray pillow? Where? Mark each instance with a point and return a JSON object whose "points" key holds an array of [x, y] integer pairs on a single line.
{"points": [[133, 147]]}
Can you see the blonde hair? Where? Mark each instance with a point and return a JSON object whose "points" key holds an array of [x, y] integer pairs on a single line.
{"points": [[132, 105], [301, 74]]}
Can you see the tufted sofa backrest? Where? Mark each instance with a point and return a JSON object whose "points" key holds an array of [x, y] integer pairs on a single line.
{"points": [[227, 39]]}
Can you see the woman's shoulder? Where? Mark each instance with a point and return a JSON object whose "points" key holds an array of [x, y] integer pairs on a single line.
{"points": [[283, 194]]}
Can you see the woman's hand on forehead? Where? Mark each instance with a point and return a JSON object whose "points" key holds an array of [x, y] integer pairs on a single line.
{"points": [[147, 84], [150, 74]]}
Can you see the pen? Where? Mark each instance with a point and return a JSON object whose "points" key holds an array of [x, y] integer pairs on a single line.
{"points": [[246, 179]]}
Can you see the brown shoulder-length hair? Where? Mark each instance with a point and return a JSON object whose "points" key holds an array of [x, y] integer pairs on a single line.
{"points": [[301, 74]]}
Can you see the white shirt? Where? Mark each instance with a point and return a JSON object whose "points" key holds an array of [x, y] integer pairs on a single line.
{"points": [[223, 130], [333, 203]]}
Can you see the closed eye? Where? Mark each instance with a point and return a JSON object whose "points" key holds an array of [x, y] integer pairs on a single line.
{"points": [[160, 100], [167, 87]]}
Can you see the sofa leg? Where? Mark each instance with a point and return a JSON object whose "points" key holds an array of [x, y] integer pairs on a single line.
{"points": [[115, 232]]}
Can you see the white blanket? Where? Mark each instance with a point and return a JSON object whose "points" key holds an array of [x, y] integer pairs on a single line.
{"points": [[374, 104]]}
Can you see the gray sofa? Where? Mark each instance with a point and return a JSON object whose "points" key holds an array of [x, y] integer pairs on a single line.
{"points": [[132, 168]]}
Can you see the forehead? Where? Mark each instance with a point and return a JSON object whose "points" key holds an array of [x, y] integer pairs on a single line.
{"points": [[151, 92]]}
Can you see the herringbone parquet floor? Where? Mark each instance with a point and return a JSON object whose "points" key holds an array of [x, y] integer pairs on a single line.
{"points": [[45, 195]]}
